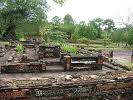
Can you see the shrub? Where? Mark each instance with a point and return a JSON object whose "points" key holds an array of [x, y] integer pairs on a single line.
{"points": [[20, 36], [69, 48], [57, 36], [19, 48]]}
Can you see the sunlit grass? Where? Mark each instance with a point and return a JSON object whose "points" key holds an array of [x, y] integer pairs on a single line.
{"points": [[3, 43], [69, 48], [126, 64]]}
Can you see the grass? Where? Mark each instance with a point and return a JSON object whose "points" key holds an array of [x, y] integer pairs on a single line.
{"points": [[126, 64], [4, 43], [108, 48], [99, 45], [69, 48], [78, 44], [66, 47]]}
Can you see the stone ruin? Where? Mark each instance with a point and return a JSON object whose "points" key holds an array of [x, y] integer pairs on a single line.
{"points": [[64, 76]]}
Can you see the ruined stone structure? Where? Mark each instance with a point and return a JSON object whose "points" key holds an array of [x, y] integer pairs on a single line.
{"points": [[61, 76]]}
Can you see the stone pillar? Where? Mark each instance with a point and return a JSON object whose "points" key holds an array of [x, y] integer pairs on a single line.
{"points": [[99, 59], [67, 63]]}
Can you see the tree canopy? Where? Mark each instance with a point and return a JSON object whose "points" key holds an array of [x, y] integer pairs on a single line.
{"points": [[68, 20], [30, 16], [17, 12]]}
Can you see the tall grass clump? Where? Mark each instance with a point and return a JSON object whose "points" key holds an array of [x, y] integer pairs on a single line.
{"points": [[69, 48], [19, 48]]}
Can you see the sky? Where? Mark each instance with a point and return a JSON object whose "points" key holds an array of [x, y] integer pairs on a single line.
{"points": [[86, 10]]}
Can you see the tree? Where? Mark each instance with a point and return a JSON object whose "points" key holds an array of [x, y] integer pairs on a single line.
{"points": [[118, 35], [16, 12], [69, 29], [68, 20], [109, 25], [44, 31], [56, 23], [130, 35], [97, 25], [56, 20], [83, 29], [68, 25], [93, 31], [75, 35], [127, 23]]}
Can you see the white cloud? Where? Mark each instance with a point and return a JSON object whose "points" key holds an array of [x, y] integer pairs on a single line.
{"points": [[89, 9]]}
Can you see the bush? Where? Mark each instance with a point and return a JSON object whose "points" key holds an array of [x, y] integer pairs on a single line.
{"points": [[69, 48], [20, 36], [84, 40], [19, 48], [57, 36]]}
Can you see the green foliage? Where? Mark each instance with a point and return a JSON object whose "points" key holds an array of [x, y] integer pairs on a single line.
{"points": [[82, 31], [69, 29], [84, 40], [18, 12], [96, 25], [109, 25], [48, 33], [56, 20], [87, 31], [68, 20], [28, 28], [123, 35], [57, 36], [130, 36], [20, 36], [19, 48], [118, 36], [23, 15], [44, 31], [75, 37], [92, 32], [69, 48], [60, 1]]}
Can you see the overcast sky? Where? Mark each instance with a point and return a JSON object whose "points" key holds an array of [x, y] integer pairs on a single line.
{"points": [[85, 10]]}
